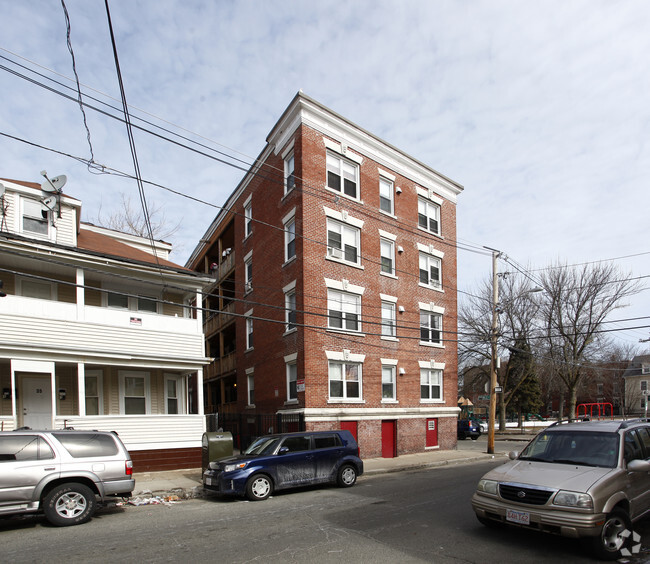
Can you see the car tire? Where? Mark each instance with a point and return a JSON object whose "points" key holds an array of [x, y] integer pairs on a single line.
{"points": [[608, 543], [474, 437], [259, 487], [69, 504], [347, 476]]}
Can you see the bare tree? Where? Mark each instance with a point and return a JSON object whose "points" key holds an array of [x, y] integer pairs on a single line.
{"points": [[575, 304], [131, 219]]}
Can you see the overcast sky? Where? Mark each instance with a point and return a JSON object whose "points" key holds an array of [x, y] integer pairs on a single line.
{"points": [[541, 110]]}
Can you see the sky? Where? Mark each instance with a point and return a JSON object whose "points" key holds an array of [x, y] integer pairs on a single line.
{"points": [[540, 110]]}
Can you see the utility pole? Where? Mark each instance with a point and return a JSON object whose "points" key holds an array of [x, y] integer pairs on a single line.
{"points": [[493, 350]]}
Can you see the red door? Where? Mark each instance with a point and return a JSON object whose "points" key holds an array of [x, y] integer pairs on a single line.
{"points": [[432, 432], [389, 439], [350, 426]]}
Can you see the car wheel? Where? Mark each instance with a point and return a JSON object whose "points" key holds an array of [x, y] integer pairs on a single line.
{"points": [[607, 545], [347, 476], [474, 437], [259, 487], [69, 504]]}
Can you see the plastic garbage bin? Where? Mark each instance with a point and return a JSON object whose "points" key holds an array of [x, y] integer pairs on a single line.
{"points": [[215, 445]]}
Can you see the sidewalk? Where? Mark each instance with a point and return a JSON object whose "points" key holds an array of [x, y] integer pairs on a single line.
{"points": [[185, 484]]}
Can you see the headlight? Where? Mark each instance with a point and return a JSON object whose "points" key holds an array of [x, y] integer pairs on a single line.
{"points": [[233, 467], [487, 486], [573, 499]]}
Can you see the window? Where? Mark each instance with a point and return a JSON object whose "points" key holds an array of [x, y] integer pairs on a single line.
{"points": [[248, 273], [93, 387], [345, 380], [387, 252], [24, 447], [343, 242], [290, 307], [35, 218], [645, 369], [87, 445], [248, 218], [430, 327], [249, 331], [644, 385], [388, 382], [386, 195], [251, 388], [430, 271], [117, 300], [342, 176], [344, 310], [289, 239], [174, 394], [430, 384], [326, 441], [37, 289], [134, 393], [147, 304], [429, 216], [292, 379], [388, 321], [289, 176]]}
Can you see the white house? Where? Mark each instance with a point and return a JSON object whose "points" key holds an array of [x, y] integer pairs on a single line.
{"points": [[97, 331]]}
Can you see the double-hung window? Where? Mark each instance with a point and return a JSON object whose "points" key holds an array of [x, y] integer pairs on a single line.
{"points": [[430, 384], [387, 254], [93, 392], [344, 310], [290, 308], [388, 321], [174, 394], [248, 272], [345, 380], [342, 176], [429, 216], [250, 378], [430, 327], [343, 242], [292, 380], [289, 173], [430, 271], [249, 329], [248, 218], [386, 200], [387, 382], [35, 218], [134, 393], [290, 239]]}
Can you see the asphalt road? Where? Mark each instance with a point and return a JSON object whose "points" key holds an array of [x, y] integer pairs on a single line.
{"points": [[418, 516]]}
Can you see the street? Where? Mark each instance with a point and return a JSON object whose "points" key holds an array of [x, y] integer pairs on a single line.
{"points": [[417, 516]]}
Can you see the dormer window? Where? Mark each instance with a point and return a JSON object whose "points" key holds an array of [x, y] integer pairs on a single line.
{"points": [[35, 218]]}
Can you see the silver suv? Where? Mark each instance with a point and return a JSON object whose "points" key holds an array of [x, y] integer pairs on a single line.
{"points": [[588, 480], [62, 473]]}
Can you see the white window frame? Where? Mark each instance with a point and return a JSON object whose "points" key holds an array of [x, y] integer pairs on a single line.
{"points": [[430, 327], [99, 375], [389, 370], [344, 169], [22, 283], [426, 260], [388, 320], [430, 378], [386, 251], [289, 238], [180, 393], [289, 172], [123, 374], [290, 308], [250, 387], [344, 367], [428, 211], [248, 327], [386, 194], [348, 304], [350, 238], [291, 370], [34, 214], [248, 273], [248, 218]]}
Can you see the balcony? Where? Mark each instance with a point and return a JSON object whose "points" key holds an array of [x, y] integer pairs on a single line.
{"points": [[220, 367], [217, 321]]}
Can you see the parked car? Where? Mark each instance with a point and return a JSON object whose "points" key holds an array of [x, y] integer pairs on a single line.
{"points": [[588, 480], [62, 473], [468, 428], [277, 462]]}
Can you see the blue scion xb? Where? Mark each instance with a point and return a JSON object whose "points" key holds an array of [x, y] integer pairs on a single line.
{"points": [[283, 461]]}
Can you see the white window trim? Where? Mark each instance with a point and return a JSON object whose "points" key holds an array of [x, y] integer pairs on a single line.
{"points": [[52, 286], [288, 290], [332, 251], [286, 221], [393, 319], [99, 374], [438, 287], [344, 217], [441, 344], [392, 199], [430, 250], [345, 356], [390, 242], [343, 150], [286, 155], [344, 154], [248, 284], [248, 217], [250, 374], [392, 364], [344, 286], [180, 391], [359, 314], [430, 306], [291, 360], [51, 231], [433, 366], [122, 375], [248, 319], [429, 195]]}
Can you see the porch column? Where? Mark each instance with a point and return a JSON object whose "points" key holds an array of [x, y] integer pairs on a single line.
{"points": [[199, 312], [81, 386], [199, 391]]}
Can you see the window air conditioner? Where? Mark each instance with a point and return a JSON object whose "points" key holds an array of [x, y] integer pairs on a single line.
{"points": [[334, 252]]}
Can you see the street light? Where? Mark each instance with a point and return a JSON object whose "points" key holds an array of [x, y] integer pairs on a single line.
{"points": [[494, 330]]}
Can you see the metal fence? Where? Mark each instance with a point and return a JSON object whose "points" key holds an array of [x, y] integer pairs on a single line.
{"points": [[246, 427]]}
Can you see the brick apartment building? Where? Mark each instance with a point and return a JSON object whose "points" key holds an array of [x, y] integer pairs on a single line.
{"points": [[334, 294]]}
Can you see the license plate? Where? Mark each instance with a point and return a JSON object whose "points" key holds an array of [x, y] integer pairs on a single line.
{"points": [[209, 481], [519, 517]]}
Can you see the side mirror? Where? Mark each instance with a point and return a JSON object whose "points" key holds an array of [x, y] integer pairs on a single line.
{"points": [[513, 454], [283, 450], [638, 466]]}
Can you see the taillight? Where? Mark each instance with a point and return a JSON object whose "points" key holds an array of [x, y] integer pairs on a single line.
{"points": [[128, 468]]}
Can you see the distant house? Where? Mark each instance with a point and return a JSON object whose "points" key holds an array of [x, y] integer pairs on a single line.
{"points": [[636, 377], [97, 332]]}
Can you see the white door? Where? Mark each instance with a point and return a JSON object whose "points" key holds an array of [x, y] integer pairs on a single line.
{"points": [[37, 402]]}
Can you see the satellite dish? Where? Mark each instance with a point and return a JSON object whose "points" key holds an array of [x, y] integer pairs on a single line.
{"points": [[53, 184], [49, 202]]}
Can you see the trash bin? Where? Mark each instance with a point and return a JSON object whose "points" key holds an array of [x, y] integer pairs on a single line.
{"points": [[215, 445]]}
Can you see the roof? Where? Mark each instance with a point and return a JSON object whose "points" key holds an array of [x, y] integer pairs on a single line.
{"points": [[634, 368]]}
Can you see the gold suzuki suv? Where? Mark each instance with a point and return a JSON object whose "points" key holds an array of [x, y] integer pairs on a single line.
{"points": [[587, 480]]}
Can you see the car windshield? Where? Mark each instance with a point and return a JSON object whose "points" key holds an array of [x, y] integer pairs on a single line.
{"points": [[583, 448], [263, 445]]}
